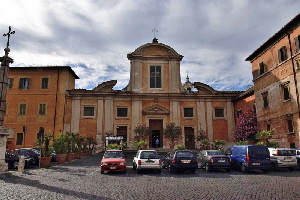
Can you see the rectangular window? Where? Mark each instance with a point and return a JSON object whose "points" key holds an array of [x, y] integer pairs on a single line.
{"points": [[22, 109], [24, 83], [19, 139], [44, 83], [286, 93], [261, 68], [219, 112], [268, 127], [10, 82], [89, 111], [282, 54], [188, 112], [155, 76], [122, 112], [42, 109], [290, 125], [265, 99], [297, 43]]}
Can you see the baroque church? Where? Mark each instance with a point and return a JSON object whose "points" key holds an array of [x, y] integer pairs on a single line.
{"points": [[154, 97]]}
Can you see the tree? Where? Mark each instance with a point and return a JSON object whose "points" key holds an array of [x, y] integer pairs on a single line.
{"points": [[264, 136], [246, 126], [172, 132], [142, 132]]}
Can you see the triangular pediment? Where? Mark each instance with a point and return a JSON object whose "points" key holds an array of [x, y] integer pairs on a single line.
{"points": [[155, 109]]}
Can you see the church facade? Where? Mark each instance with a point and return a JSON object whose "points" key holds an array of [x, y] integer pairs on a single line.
{"points": [[154, 97]]}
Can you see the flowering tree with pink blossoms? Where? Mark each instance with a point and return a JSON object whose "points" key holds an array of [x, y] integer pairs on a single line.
{"points": [[246, 127]]}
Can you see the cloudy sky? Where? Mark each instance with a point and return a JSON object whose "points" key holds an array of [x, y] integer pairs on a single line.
{"points": [[95, 36]]}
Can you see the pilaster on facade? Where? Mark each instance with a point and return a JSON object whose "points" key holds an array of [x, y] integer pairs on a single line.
{"points": [[76, 108], [109, 114], [209, 117], [230, 120], [202, 112]]}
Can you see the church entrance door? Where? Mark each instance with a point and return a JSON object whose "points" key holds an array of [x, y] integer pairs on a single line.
{"points": [[157, 129]]}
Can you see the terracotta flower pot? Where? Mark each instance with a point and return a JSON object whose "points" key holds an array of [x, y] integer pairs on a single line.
{"points": [[61, 158], [45, 161], [70, 157]]}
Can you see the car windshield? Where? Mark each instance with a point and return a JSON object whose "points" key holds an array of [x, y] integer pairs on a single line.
{"points": [[184, 154], [149, 155], [215, 153], [113, 154]]}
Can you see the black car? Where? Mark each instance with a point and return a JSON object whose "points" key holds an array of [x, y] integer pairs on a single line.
{"points": [[213, 159], [30, 153], [12, 159], [180, 160]]}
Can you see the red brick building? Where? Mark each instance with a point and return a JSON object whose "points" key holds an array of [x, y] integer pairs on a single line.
{"points": [[275, 69]]}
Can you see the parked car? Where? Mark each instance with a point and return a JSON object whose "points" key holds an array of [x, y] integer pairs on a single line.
{"points": [[180, 160], [283, 158], [213, 159], [12, 159], [297, 154], [146, 159], [113, 160], [31, 153], [249, 157]]}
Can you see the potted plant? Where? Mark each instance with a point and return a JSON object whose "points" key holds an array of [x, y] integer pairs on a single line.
{"points": [[172, 132], [60, 145], [44, 144], [140, 144], [70, 149], [91, 144]]}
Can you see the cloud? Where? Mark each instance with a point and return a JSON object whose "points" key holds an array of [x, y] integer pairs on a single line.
{"points": [[94, 37]]}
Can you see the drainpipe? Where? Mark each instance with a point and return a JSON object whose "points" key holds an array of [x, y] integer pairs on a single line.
{"points": [[294, 73], [56, 99]]}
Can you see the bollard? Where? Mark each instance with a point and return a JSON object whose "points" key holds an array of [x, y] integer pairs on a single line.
{"points": [[21, 164]]}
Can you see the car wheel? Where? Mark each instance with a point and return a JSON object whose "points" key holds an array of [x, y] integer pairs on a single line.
{"points": [[138, 171], [244, 169], [228, 170], [265, 170], [291, 169], [274, 168], [171, 170], [193, 171], [133, 166], [102, 172], [159, 171], [207, 167]]}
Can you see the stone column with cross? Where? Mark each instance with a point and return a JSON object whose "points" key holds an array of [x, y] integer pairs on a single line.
{"points": [[4, 69]]}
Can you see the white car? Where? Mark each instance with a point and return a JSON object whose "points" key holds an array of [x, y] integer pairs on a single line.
{"points": [[283, 158], [146, 159]]}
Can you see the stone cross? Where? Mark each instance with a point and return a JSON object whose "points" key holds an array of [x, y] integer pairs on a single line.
{"points": [[8, 35]]}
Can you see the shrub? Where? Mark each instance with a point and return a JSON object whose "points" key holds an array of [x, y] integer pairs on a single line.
{"points": [[180, 147]]}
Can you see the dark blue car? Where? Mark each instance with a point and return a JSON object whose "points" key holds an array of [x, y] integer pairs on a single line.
{"points": [[180, 160], [249, 157]]}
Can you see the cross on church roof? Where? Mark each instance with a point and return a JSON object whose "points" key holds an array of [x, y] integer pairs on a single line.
{"points": [[154, 30], [8, 35]]}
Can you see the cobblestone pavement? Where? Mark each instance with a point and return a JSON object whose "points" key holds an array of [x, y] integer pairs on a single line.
{"points": [[81, 179]]}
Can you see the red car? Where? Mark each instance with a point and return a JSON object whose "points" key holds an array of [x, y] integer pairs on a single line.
{"points": [[113, 160]]}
